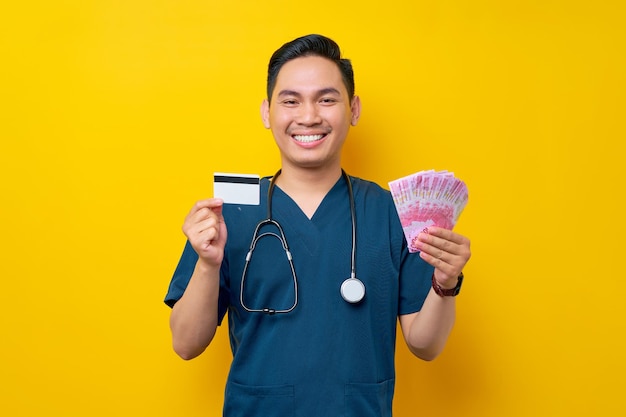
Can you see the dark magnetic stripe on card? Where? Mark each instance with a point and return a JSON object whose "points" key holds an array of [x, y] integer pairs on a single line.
{"points": [[235, 180]]}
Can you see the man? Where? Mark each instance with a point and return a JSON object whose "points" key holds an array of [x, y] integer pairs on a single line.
{"points": [[301, 345]]}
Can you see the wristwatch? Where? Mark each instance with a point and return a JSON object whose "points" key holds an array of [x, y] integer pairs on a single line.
{"points": [[450, 292]]}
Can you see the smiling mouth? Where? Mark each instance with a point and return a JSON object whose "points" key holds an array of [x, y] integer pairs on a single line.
{"points": [[307, 138]]}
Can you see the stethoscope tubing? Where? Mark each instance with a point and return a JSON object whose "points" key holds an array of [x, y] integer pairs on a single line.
{"points": [[255, 238], [352, 289]]}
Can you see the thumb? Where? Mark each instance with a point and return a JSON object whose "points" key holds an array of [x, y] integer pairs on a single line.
{"points": [[217, 208]]}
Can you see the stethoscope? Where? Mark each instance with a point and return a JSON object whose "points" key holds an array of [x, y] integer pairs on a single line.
{"points": [[352, 289]]}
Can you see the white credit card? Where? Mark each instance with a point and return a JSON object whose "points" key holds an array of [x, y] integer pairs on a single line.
{"points": [[237, 188]]}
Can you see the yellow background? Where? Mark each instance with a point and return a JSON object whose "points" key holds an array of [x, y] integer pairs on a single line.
{"points": [[115, 113]]}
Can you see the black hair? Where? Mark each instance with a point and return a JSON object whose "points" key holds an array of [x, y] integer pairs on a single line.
{"points": [[309, 45]]}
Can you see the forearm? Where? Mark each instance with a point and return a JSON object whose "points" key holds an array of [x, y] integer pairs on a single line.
{"points": [[193, 321], [427, 332]]}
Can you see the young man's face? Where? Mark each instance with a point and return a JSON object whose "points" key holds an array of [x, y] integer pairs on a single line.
{"points": [[310, 113]]}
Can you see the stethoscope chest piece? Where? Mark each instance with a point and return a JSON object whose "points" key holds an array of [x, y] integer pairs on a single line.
{"points": [[352, 290]]}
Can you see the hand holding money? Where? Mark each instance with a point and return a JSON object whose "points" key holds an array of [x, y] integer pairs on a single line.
{"points": [[446, 250], [429, 204], [427, 198]]}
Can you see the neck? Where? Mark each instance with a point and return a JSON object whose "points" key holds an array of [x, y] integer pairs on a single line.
{"points": [[310, 180], [308, 187]]}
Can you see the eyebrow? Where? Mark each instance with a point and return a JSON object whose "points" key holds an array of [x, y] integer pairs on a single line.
{"points": [[323, 91]]}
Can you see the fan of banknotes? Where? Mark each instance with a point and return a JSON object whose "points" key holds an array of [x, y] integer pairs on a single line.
{"points": [[428, 198]]}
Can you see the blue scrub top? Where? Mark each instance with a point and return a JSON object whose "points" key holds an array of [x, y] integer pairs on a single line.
{"points": [[326, 357]]}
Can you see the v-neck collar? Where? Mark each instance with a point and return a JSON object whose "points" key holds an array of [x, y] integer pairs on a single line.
{"points": [[334, 193], [310, 233]]}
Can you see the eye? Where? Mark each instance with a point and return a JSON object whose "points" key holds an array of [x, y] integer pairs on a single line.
{"points": [[328, 100], [290, 102]]}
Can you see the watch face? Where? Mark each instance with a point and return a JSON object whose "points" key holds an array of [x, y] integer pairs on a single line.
{"points": [[457, 288]]}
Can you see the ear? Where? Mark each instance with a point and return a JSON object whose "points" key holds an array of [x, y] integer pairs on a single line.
{"points": [[355, 107], [265, 113]]}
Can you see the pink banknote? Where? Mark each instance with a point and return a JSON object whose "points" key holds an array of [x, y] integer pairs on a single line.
{"points": [[428, 198]]}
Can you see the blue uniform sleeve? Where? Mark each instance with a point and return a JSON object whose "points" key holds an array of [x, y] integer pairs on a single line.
{"points": [[415, 282], [182, 275]]}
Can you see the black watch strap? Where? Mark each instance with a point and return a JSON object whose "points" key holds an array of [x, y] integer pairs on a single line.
{"points": [[450, 292]]}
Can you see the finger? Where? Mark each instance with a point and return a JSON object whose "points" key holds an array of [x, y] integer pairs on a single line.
{"points": [[438, 260], [441, 250], [203, 237], [217, 209], [435, 245], [209, 203], [436, 253], [445, 234], [206, 223], [201, 216], [449, 264], [210, 234], [196, 225], [428, 245], [445, 240], [205, 209]]}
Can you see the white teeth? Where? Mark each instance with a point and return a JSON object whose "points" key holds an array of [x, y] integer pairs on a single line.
{"points": [[307, 138]]}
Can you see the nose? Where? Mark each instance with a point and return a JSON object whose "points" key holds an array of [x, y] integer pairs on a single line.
{"points": [[308, 115]]}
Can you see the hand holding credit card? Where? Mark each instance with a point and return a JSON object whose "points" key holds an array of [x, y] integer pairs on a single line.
{"points": [[237, 188]]}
